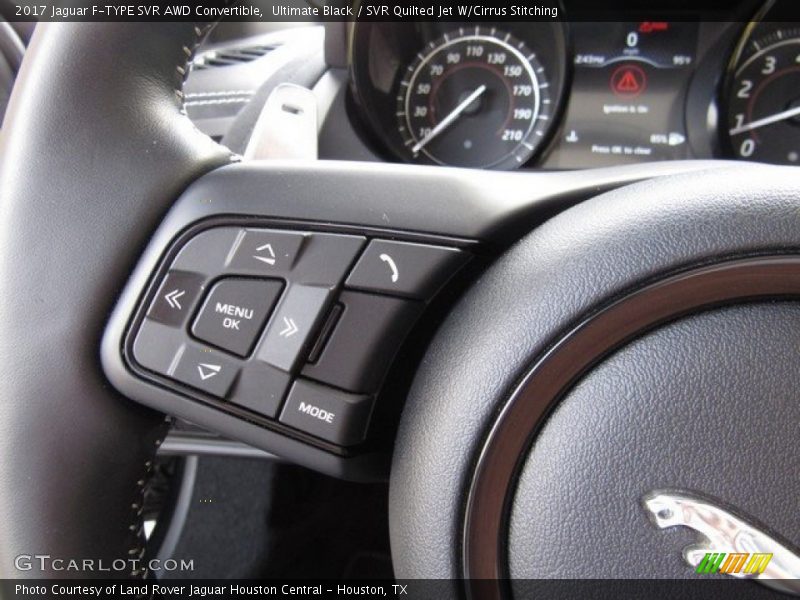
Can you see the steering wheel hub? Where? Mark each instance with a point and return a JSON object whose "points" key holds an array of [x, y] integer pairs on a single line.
{"points": [[637, 366]]}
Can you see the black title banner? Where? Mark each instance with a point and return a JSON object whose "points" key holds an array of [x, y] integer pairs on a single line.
{"points": [[387, 11]]}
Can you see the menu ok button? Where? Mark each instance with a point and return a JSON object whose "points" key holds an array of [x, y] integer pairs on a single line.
{"points": [[235, 311]]}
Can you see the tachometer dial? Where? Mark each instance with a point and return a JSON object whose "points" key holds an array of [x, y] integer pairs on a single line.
{"points": [[763, 118], [475, 97]]}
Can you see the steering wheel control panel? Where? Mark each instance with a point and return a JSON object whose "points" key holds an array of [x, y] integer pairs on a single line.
{"points": [[292, 330]]}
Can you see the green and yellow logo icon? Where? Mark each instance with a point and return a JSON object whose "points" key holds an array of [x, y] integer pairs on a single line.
{"points": [[734, 562]]}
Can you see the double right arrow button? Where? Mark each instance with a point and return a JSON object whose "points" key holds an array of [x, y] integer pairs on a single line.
{"points": [[293, 325], [290, 329]]}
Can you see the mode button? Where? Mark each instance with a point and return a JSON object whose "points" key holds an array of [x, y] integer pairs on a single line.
{"points": [[327, 413]]}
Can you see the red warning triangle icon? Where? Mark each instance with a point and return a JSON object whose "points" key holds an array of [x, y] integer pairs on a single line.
{"points": [[628, 81]]}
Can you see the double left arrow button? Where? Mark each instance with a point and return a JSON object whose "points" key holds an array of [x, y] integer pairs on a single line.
{"points": [[175, 298]]}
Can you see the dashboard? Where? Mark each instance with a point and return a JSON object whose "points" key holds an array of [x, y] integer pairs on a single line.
{"points": [[556, 94], [570, 95]]}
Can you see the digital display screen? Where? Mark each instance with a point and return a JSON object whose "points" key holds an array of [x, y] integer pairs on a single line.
{"points": [[628, 94]]}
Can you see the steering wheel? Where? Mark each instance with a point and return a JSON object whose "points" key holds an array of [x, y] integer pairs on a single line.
{"points": [[643, 339]]}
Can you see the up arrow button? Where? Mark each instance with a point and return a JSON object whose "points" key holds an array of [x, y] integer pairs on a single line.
{"points": [[266, 252]]}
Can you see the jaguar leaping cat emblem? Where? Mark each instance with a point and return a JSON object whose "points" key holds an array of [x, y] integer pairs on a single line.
{"points": [[775, 564]]}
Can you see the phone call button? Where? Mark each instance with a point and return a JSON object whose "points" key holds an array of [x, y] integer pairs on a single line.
{"points": [[405, 268]]}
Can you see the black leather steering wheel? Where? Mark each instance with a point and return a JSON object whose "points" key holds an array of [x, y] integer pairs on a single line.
{"points": [[95, 150], [624, 346]]}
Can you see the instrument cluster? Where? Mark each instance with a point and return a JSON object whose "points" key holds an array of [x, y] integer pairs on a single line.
{"points": [[566, 95], [468, 95], [762, 99]]}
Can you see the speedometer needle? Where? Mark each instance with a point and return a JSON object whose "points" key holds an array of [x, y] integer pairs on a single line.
{"points": [[786, 114], [448, 120]]}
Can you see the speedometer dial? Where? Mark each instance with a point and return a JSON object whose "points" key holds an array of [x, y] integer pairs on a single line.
{"points": [[764, 100], [474, 98]]}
